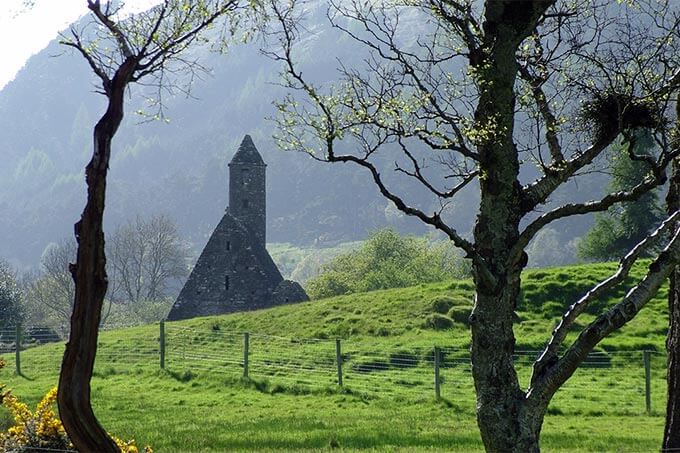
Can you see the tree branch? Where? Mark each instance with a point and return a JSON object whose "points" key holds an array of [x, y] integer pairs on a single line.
{"points": [[572, 209], [418, 175], [328, 132], [554, 374], [551, 350], [105, 19], [551, 124], [539, 191], [98, 70]]}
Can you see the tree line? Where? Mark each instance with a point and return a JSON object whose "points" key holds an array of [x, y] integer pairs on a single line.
{"points": [[147, 264]]}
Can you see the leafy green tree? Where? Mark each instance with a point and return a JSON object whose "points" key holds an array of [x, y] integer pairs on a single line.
{"points": [[10, 297], [387, 260], [622, 226]]}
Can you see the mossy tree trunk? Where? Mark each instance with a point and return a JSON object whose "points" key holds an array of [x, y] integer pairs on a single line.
{"points": [[505, 420]]}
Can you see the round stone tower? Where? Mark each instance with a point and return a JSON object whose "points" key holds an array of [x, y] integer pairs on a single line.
{"points": [[247, 191]]}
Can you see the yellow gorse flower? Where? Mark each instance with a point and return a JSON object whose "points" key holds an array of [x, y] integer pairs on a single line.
{"points": [[39, 429], [42, 428]]}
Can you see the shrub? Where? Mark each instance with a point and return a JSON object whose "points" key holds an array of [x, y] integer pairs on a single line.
{"points": [[438, 321], [460, 314], [34, 430], [442, 304], [388, 260]]}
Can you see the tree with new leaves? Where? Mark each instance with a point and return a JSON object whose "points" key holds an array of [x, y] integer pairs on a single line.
{"points": [[145, 49], [516, 98], [386, 260], [52, 291]]}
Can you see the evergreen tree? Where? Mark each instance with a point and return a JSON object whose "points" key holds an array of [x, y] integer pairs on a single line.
{"points": [[618, 229]]}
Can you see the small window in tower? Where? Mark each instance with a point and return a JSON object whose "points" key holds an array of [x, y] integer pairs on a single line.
{"points": [[246, 203], [228, 245], [244, 176], [226, 282]]}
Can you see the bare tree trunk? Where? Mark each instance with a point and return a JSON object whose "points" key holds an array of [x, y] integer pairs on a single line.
{"points": [[507, 421], [89, 274], [671, 438], [501, 411]]}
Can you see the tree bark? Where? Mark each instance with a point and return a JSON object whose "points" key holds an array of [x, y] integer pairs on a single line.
{"points": [[89, 274], [671, 438], [506, 422]]}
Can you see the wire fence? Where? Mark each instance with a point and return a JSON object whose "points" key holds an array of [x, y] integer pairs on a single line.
{"points": [[622, 382]]}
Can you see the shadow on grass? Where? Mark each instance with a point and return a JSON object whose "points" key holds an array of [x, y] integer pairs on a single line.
{"points": [[315, 440], [21, 374], [265, 386], [185, 376]]}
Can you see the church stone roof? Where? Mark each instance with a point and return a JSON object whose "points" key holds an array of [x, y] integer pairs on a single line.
{"points": [[234, 273], [247, 153]]}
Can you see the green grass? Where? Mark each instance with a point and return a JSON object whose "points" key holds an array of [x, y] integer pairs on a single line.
{"points": [[290, 402]]}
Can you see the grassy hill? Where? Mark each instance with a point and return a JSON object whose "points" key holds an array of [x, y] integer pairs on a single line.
{"points": [[291, 400]]}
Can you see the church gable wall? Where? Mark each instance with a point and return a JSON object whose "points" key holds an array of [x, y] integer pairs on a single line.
{"points": [[235, 271]]}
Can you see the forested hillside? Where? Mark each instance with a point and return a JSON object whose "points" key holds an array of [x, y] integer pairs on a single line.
{"points": [[179, 167]]}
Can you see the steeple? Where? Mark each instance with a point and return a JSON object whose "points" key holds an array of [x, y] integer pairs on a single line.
{"points": [[247, 153], [247, 192]]}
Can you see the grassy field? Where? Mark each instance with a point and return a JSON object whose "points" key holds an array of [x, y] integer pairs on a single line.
{"points": [[200, 402]]}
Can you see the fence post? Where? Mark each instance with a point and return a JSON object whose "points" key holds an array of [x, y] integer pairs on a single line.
{"points": [[647, 356], [437, 390], [17, 347], [162, 345], [246, 346], [338, 359]]}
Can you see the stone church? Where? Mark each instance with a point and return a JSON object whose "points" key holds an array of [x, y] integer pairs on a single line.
{"points": [[235, 272]]}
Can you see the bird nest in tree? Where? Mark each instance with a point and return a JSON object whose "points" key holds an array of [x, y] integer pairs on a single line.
{"points": [[610, 113]]}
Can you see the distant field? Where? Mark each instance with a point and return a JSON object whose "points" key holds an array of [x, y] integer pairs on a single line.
{"points": [[291, 401]]}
